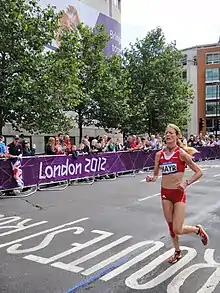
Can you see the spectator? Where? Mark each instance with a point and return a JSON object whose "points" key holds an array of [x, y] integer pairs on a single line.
{"points": [[81, 149], [86, 146], [212, 141], [86, 139], [153, 143], [50, 147], [15, 148], [94, 145], [138, 143], [118, 145], [27, 151], [61, 140], [67, 143], [2, 147], [58, 146], [110, 147], [191, 141], [99, 145], [21, 138], [134, 142], [128, 144], [159, 142], [74, 152], [184, 141]]}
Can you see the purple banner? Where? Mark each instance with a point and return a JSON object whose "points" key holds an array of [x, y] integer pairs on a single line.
{"points": [[113, 28], [48, 169], [29, 170]]}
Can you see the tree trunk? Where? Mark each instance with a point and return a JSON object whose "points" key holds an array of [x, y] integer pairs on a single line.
{"points": [[1, 121], [80, 126], [149, 124], [80, 132]]}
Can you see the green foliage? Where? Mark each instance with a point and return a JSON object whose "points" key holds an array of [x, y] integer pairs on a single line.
{"points": [[159, 94], [137, 93], [26, 98], [89, 45], [112, 95], [143, 91]]}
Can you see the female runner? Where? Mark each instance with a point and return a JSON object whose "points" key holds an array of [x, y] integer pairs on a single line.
{"points": [[173, 160]]}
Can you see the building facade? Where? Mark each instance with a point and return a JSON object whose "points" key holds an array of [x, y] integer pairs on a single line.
{"points": [[111, 8], [208, 88], [202, 70], [90, 12]]}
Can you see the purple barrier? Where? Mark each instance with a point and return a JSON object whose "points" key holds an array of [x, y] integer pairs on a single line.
{"points": [[30, 174], [46, 169], [207, 153], [61, 168]]}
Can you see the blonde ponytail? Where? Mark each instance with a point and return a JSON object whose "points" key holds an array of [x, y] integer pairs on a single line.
{"points": [[189, 150]]}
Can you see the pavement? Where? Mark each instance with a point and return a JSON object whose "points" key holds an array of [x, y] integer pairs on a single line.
{"points": [[108, 237]]}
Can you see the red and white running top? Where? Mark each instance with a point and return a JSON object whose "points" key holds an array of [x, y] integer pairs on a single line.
{"points": [[172, 164]]}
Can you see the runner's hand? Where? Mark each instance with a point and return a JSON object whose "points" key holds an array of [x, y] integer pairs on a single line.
{"points": [[149, 178], [182, 185]]}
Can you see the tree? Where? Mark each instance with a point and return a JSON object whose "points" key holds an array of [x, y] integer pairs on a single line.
{"points": [[111, 95], [29, 96], [159, 95], [88, 45]]}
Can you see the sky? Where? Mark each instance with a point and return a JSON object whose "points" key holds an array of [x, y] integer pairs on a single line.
{"points": [[189, 22]]}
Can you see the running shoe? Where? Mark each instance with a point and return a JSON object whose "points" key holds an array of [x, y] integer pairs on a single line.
{"points": [[203, 235], [176, 257]]}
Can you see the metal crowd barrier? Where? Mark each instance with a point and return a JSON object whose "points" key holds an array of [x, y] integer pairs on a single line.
{"points": [[93, 168]]}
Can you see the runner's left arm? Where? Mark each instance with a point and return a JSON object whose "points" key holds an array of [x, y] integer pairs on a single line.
{"points": [[193, 166]]}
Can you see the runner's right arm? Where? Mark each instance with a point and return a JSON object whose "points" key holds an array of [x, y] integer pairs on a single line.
{"points": [[156, 168]]}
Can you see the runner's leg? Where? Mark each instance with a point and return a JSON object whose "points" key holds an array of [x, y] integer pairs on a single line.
{"points": [[179, 227], [168, 214]]}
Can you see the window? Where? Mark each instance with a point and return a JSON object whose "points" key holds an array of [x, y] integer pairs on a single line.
{"points": [[213, 58], [212, 108], [195, 60], [212, 74], [185, 75], [212, 92], [209, 123], [184, 60], [117, 3]]}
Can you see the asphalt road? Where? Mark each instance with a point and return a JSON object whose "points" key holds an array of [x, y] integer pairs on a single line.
{"points": [[108, 237]]}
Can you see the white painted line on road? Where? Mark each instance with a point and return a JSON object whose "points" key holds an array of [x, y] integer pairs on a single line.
{"points": [[144, 180], [123, 253], [148, 197], [178, 281], [45, 242], [41, 233], [73, 266], [210, 166], [157, 194], [216, 175], [76, 247], [194, 183], [133, 261], [18, 227], [132, 280]]}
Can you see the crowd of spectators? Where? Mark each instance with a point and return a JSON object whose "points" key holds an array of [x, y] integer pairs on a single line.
{"points": [[61, 145], [18, 147], [200, 140]]}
